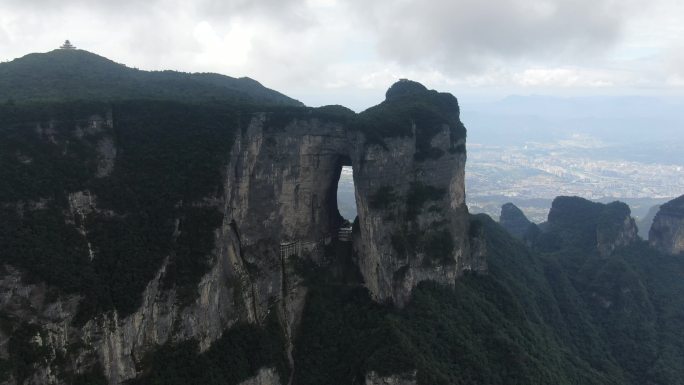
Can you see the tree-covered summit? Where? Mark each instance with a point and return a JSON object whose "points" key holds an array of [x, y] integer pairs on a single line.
{"points": [[73, 74], [404, 87], [410, 109], [675, 206]]}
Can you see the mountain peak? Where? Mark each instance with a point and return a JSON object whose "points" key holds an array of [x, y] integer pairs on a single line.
{"points": [[583, 224], [514, 221], [667, 231], [404, 87], [75, 74]]}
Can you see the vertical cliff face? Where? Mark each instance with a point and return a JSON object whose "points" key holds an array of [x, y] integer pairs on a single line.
{"points": [[373, 378], [408, 156], [409, 170], [58, 299], [667, 231], [282, 179], [117, 343], [280, 204], [578, 223], [616, 232], [274, 205]]}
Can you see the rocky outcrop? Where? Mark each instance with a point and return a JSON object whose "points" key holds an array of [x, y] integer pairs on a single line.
{"points": [[614, 232], [413, 220], [265, 376], [119, 343], [374, 378], [122, 342], [106, 150], [575, 222], [667, 231], [409, 165], [514, 221], [34, 311], [278, 202]]}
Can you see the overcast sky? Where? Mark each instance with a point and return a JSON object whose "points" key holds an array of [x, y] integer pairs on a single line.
{"points": [[349, 52]]}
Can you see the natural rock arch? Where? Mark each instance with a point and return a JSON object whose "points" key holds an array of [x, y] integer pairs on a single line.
{"points": [[408, 156]]}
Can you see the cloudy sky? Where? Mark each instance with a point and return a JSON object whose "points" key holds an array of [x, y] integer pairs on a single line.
{"points": [[349, 52]]}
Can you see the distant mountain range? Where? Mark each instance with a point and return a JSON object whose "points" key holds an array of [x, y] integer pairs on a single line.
{"points": [[619, 120], [69, 74]]}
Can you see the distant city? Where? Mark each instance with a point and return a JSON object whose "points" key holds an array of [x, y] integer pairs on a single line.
{"points": [[605, 149], [533, 174]]}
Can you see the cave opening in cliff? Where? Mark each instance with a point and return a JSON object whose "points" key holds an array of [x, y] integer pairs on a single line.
{"points": [[345, 198]]}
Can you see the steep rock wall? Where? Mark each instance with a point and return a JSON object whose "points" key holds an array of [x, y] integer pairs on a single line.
{"points": [[278, 203], [576, 222], [412, 217], [408, 156], [409, 174], [119, 343], [667, 231]]}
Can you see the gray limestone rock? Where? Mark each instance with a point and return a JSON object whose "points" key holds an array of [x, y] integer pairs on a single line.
{"points": [[279, 205], [615, 235], [667, 231], [373, 378], [265, 376], [410, 195]]}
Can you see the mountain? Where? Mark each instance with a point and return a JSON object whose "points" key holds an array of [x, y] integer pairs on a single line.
{"points": [[167, 219], [583, 225], [147, 241], [69, 74], [615, 120], [515, 222], [667, 231]]}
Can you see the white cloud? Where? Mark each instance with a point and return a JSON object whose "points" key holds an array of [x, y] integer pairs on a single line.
{"points": [[465, 36], [675, 66], [298, 46], [567, 77], [237, 41]]}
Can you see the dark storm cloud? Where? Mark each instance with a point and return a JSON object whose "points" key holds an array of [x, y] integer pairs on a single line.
{"points": [[469, 35]]}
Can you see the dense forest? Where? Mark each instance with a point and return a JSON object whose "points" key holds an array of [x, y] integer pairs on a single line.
{"points": [[546, 314], [75, 75], [551, 309], [567, 317], [168, 153]]}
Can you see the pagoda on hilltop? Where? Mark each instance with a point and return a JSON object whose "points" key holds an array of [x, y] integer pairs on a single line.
{"points": [[67, 45]]}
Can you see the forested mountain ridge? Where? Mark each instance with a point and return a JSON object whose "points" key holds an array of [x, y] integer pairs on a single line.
{"points": [[180, 241], [70, 74]]}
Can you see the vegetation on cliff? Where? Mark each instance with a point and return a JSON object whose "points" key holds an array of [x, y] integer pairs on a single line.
{"points": [[235, 357], [576, 223], [562, 318], [72, 75], [169, 159], [554, 313], [411, 110]]}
